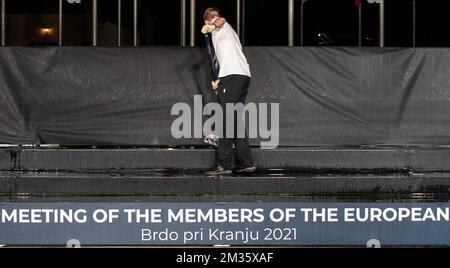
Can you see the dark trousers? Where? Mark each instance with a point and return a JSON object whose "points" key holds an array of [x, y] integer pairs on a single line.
{"points": [[233, 89]]}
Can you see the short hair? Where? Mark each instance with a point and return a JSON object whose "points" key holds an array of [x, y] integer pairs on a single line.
{"points": [[208, 11]]}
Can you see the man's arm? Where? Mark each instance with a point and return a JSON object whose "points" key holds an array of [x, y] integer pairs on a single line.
{"points": [[216, 25], [219, 22]]}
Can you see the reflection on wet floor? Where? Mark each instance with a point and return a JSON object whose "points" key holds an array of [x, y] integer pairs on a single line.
{"points": [[192, 172], [261, 173], [281, 185], [230, 199]]}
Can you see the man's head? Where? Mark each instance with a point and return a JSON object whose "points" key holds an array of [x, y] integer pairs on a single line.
{"points": [[210, 14]]}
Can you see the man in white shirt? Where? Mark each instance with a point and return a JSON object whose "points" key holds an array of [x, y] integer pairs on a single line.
{"points": [[232, 86]]}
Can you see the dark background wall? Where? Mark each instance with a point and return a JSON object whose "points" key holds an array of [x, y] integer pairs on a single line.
{"points": [[327, 96]]}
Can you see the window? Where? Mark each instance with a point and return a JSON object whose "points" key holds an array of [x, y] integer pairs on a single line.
{"points": [[266, 23], [77, 23], [159, 22], [32, 23], [433, 20], [399, 23], [330, 23], [107, 13], [370, 24]]}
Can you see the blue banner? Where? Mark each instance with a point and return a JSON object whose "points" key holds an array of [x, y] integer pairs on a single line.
{"points": [[242, 224]]}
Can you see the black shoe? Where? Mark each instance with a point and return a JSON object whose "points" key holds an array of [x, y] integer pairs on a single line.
{"points": [[219, 170], [243, 169]]}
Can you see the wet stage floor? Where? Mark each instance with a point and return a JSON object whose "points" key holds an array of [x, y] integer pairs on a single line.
{"points": [[271, 185]]}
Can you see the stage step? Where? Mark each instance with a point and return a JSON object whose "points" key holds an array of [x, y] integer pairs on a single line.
{"points": [[294, 158], [278, 184]]}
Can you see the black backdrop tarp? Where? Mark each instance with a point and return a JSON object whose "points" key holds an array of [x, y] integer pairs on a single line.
{"points": [[124, 96]]}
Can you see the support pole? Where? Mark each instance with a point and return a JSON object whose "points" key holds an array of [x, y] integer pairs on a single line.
{"points": [[360, 25], [192, 24], [183, 23], [414, 23], [3, 23], [94, 23], [291, 23], [301, 22], [60, 21], [238, 17], [135, 17], [382, 23], [243, 24], [119, 23]]}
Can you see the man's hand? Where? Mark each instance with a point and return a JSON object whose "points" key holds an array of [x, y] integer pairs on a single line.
{"points": [[215, 84], [208, 28]]}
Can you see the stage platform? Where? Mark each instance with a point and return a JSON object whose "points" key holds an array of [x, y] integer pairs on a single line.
{"points": [[176, 174], [186, 186], [362, 158]]}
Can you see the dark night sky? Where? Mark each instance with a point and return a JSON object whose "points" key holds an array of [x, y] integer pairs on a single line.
{"points": [[265, 21]]}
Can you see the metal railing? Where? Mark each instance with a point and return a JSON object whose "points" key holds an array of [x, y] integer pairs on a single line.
{"points": [[240, 22]]}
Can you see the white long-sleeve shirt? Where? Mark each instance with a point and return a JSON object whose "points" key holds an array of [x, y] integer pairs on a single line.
{"points": [[229, 53]]}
